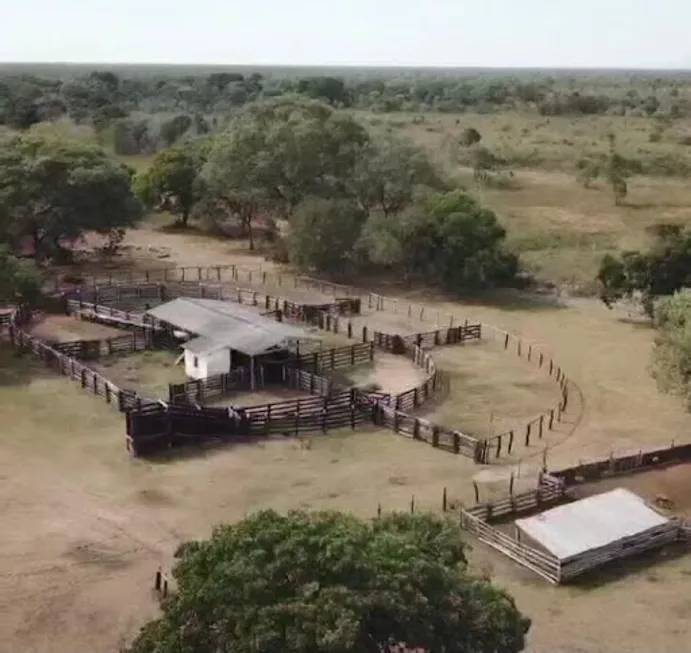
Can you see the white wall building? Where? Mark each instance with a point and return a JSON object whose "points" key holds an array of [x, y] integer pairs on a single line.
{"points": [[222, 328]]}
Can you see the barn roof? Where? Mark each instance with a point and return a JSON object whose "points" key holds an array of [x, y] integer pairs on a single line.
{"points": [[223, 324], [591, 523]]}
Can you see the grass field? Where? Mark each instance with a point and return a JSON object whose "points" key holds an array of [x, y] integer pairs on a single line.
{"points": [[87, 526], [560, 228]]}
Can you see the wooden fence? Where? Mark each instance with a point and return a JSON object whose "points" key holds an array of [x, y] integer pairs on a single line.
{"points": [[154, 428], [120, 345], [88, 379], [209, 281], [453, 439], [220, 385], [554, 487], [476, 521]]}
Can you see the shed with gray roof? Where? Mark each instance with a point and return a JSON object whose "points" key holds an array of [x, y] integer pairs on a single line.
{"points": [[220, 328]]}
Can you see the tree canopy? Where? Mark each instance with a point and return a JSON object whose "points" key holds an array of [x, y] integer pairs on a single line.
{"points": [[53, 190], [445, 238], [173, 181], [20, 280], [323, 234], [646, 275], [331, 583], [671, 357]]}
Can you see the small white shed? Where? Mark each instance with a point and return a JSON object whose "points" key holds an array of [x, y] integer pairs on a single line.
{"points": [[222, 328], [204, 357]]}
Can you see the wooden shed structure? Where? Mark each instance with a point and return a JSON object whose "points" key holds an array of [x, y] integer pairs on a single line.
{"points": [[225, 335], [596, 530], [307, 305]]}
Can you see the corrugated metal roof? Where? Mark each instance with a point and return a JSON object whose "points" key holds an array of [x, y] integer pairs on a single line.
{"points": [[590, 523], [226, 324]]}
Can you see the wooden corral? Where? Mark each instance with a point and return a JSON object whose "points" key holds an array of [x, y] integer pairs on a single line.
{"points": [[565, 486]]}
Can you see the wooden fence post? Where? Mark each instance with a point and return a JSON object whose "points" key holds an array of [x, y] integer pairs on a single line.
{"points": [[551, 419], [527, 434], [412, 505], [477, 492], [444, 504], [542, 419]]}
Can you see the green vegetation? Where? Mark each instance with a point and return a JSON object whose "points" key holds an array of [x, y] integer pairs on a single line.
{"points": [[20, 281], [331, 583], [54, 191], [648, 275], [671, 360]]}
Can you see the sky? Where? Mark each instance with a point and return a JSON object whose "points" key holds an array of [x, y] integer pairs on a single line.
{"points": [[467, 33]]}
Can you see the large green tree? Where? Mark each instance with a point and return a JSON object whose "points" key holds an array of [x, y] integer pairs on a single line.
{"points": [[645, 275], [20, 279], [53, 190], [389, 171], [671, 357], [447, 239], [331, 583], [276, 153], [173, 181], [323, 233]]}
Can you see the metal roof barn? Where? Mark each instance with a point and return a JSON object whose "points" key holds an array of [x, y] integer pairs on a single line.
{"points": [[591, 523], [223, 324]]}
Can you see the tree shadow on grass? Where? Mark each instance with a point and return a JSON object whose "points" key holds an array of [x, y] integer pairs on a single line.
{"points": [[18, 368], [519, 300]]}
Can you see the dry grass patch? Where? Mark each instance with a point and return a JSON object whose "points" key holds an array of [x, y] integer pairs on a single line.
{"points": [[147, 372], [492, 391], [86, 526], [64, 328]]}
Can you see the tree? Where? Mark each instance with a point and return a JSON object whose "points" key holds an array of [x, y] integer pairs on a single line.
{"points": [[275, 154], [20, 280], [53, 190], [671, 356], [96, 97], [330, 89], [647, 275], [446, 239], [469, 136], [173, 181], [389, 171], [331, 583], [172, 130], [323, 233], [484, 163]]}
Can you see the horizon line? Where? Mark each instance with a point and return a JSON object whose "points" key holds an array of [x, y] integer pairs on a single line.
{"points": [[669, 68]]}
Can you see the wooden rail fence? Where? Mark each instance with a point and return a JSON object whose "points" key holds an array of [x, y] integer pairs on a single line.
{"points": [[554, 487]]}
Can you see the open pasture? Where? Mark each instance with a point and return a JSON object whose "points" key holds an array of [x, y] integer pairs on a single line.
{"points": [[491, 390], [89, 526]]}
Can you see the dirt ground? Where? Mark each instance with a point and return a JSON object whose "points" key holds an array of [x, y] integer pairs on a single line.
{"points": [[147, 372], [673, 483], [492, 391], [87, 526], [64, 328], [391, 374]]}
